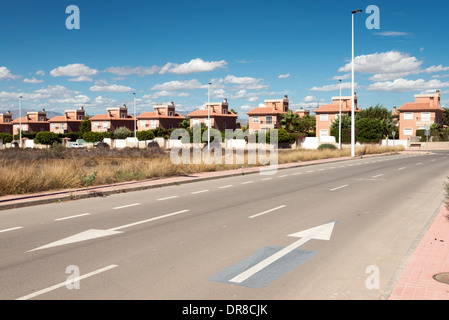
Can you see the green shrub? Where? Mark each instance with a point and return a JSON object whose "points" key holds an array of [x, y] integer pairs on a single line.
{"points": [[91, 136], [6, 137], [122, 133], [47, 138], [325, 146], [145, 135]]}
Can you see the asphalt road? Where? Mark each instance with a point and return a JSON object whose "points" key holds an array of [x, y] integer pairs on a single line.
{"points": [[189, 241]]}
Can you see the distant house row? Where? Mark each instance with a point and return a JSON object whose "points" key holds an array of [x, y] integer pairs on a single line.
{"points": [[416, 115]]}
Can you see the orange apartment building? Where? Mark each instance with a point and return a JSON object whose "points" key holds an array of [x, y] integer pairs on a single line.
{"points": [[163, 116], [6, 122], [425, 111], [69, 122], [32, 122], [113, 119], [220, 117], [268, 117], [328, 113]]}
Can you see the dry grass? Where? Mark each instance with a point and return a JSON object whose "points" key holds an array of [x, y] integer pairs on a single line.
{"points": [[33, 171]]}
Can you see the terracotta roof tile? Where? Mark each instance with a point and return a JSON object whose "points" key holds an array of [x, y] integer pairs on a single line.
{"points": [[331, 108], [409, 106], [154, 115], [203, 113], [263, 110]]}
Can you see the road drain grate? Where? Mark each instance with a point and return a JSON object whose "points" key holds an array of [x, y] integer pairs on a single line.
{"points": [[442, 277]]}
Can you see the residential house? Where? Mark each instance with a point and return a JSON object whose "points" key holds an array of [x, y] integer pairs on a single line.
{"points": [[220, 117], [268, 117], [69, 122], [163, 116], [425, 111], [302, 113], [328, 113], [32, 122], [112, 120], [6, 122]]}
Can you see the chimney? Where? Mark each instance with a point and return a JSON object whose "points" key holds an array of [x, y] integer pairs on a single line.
{"points": [[285, 97], [172, 103], [225, 100]]}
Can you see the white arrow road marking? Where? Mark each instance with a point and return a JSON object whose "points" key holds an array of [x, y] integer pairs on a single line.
{"points": [[322, 232], [97, 233], [62, 284]]}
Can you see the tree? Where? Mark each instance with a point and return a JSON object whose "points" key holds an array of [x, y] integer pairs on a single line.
{"points": [[446, 116], [93, 136], [369, 130], [122, 133], [387, 120], [306, 124], [289, 121], [6, 137], [85, 125], [345, 128], [46, 137], [185, 124]]}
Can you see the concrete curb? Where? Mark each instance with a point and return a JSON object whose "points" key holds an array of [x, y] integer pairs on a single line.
{"points": [[14, 202]]}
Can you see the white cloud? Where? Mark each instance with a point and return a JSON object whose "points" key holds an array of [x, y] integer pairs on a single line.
{"points": [[103, 86], [126, 70], [78, 100], [33, 80], [73, 70], [178, 85], [81, 78], [193, 66], [40, 73], [310, 98], [341, 77], [165, 93], [56, 90], [391, 33], [284, 76], [404, 85], [5, 74], [389, 65], [333, 87], [246, 83], [246, 107]]}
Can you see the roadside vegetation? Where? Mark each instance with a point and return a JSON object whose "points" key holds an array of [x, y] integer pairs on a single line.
{"points": [[56, 168]]}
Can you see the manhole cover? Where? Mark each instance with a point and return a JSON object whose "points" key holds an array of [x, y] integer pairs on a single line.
{"points": [[442, 277]]}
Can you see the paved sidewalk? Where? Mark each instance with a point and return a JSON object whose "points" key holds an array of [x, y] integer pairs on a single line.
{"points": [[430, 257]]}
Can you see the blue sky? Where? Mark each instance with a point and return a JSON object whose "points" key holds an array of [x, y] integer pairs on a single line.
{"points": [[251, 50]]}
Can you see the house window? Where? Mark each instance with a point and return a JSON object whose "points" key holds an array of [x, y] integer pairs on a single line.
{"points": [[196, 121], [170, 113], [285, 108], [105, 124], [123, 115], [225, 111], [62, 126], [408, 131], [143, 123], [425, 116], [269, 120], [324, 117], [6, 120], [6, 130], [41, 119], [255, 119], [153, 124], [324, 133], [408, 115], [53, 125], [170, 126], [80, 117], [96, 124], [224, 125]]}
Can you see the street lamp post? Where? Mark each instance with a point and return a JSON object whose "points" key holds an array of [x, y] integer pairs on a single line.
{"points": [[20, 121], [339, 122], [135, 121], [352, 91], [208, 116]]}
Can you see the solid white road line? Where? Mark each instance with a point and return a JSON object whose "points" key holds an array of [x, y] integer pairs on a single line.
{"points": [[401, 168], [128, 205], [379, 175], [62, 284], [297, 173], [267, 211], [340, 187], [247, 182], [265, 179], [72, 217], [167, 198], [285, 175], [201, 191], [148, 220], [10, 229]]}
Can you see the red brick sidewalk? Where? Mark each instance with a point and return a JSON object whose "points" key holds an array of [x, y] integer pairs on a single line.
{"points": [[429, 258]]}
